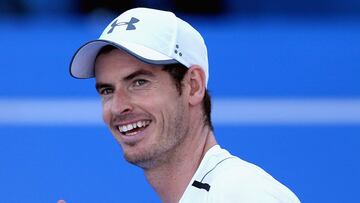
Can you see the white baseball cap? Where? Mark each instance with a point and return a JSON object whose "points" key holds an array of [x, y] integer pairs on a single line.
{"points": [[152, 36]]}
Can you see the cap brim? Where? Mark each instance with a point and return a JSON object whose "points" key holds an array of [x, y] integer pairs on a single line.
{"points": [[83, 61]]}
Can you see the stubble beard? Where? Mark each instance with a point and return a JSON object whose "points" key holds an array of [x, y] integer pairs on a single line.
{"points": [[164, 148]]}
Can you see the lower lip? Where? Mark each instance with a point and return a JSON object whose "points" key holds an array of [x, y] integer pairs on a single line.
{"points": [[134, 138]]}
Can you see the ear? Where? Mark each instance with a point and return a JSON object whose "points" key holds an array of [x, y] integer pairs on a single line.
{"points": [[195, 77]]}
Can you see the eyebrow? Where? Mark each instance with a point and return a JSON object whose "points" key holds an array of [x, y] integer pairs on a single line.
{"points": [[100, 85], [137, 73]]}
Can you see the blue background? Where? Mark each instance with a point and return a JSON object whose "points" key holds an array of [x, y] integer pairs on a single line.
{"points": [[268, 56]]}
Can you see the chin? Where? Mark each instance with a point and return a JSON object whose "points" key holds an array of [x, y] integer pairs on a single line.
{"points": [[148, 158], [139, 160]]}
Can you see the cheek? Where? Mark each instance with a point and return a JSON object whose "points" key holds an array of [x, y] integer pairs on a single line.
{"points": [[106, 112]]}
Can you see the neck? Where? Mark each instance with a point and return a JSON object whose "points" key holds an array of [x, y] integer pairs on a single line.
{"points": [[171, 179]]}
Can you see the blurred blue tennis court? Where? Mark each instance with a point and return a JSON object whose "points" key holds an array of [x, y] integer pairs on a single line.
{"points": [[286, 97]]}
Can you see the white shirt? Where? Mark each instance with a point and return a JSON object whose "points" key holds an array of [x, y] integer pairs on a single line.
{"points": [[222, 177]]}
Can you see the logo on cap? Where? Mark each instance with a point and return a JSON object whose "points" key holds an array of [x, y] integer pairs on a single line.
{"points": [[130, 24]]}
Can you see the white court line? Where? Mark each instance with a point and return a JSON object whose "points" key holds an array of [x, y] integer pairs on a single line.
{"points": [[235, 111], [50, 112], [286, 111]]}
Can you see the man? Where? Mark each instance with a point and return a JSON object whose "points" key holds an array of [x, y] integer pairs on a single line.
{"points": [[151, 70]]}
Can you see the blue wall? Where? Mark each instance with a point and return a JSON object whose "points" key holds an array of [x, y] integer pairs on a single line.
{"points": [[265, 57]]}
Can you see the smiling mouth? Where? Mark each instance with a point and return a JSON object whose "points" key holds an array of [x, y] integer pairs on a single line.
{"points": [[133, 128]]}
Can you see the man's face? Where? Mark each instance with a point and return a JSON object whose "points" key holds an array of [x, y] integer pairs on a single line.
{"points": [[142, 108]]}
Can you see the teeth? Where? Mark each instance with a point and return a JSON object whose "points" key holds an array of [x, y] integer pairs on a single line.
{"points": [[128, 127]]}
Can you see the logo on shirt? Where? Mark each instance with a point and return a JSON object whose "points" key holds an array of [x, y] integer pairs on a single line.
{"points": [[129, 25]]}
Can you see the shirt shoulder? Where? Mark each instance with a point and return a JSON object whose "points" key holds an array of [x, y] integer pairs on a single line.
{"points": [[222, 177], [236, 180]]}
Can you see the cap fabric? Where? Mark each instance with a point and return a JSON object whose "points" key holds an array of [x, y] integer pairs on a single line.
{"points": [[153, 36]]}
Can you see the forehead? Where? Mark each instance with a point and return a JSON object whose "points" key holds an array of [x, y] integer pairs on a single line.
{"points": [[118, 63]]}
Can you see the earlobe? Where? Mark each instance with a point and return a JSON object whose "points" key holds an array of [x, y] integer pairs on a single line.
{"points": [[196, 78]]}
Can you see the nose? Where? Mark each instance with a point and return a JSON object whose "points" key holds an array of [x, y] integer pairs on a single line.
{"points": [[121, 103]]}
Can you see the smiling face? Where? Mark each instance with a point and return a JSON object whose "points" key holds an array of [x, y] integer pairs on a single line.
{"points": [[142, 108]]}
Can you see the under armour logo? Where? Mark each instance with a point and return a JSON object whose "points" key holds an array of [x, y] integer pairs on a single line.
{"points": [[130, 24]]}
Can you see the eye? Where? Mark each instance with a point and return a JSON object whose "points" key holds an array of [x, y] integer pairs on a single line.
{"points": [[140, 82], [106, 91]]}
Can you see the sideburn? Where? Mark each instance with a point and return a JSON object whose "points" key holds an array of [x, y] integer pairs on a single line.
{"points": [[177, 72]]}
